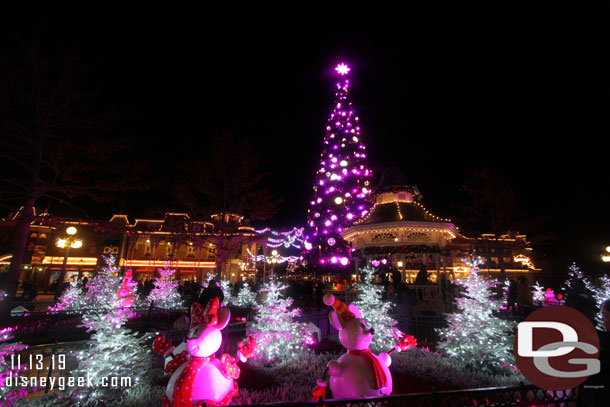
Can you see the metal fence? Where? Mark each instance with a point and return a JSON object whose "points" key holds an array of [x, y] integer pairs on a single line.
{"points": [[497, 396]]}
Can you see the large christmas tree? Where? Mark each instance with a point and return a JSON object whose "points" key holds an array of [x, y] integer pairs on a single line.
{"points": [[376, 312], [474, 334], [342, 184]]}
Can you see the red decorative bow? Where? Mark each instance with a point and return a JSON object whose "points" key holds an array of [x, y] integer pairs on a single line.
{"points": [[162, 346]]}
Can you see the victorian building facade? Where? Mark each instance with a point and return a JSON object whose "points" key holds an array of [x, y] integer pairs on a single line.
{"points": [[176, 241]]}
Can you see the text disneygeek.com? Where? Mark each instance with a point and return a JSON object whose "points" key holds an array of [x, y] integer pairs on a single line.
{"points": [[62, 382]]}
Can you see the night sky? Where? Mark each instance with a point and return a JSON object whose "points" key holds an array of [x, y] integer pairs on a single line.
{"points": [[527, 100]]}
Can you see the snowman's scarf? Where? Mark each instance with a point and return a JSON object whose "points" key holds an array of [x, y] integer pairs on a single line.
{"points": [[380, 378]]}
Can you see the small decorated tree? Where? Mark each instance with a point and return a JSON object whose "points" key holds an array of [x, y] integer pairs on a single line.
{"points": [[580, 294], [225, 286], [376, 312], [278, 336], [165, 294], [115, 352], [102, 288], [11, 370], [474, 334], [601, 293], [538, 294], [245, 297], [71, 299]]}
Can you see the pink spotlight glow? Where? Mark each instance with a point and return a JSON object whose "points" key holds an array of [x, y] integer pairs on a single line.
{"points": [[344, 261], [342, 69], [334, 260]]}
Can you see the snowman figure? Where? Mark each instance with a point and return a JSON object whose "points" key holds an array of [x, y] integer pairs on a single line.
{"points": [[359, 372]]}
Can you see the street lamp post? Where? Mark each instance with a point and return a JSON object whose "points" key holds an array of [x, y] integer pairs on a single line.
{"points": [[66, 243], [273, 260]]}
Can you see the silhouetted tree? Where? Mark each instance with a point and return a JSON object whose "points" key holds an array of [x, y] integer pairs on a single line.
{"points": [[55, 140], [227, 189], [494, 209]]}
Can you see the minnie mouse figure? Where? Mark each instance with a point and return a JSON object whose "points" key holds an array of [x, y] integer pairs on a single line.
{"points": [[197, 375]]}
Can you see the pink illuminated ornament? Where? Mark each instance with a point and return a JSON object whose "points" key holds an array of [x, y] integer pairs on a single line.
{"points": [[375, 263], [342, 69], [334, 260], [308, 246], [344, 261], [331, 241], [197, 375]]}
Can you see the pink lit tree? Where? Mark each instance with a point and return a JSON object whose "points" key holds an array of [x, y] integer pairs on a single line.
{"points": [[342, 184]]}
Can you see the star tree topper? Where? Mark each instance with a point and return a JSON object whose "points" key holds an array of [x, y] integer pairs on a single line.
{"points": [[342, 69]]}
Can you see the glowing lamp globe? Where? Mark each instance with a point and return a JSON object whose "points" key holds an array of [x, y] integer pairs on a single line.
{"points": [[76, 244], [338, 200], [71, 230], [344, 261]]}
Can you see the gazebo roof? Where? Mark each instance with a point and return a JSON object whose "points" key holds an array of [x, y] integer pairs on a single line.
{"points": [[399, 211]]}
